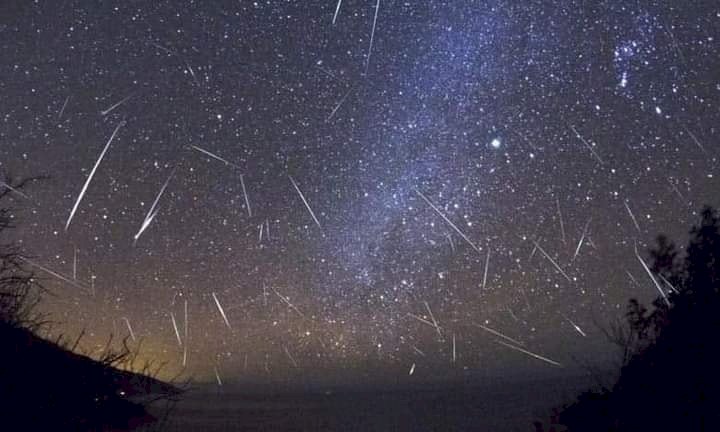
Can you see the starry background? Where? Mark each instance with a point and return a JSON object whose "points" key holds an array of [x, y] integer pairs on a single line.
{"points": [[465, 168]]}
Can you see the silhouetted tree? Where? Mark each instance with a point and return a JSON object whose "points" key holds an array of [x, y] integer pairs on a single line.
{"points": [[671, 380], [19, 289]]}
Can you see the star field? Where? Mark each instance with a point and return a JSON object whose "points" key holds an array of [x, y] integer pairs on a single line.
{"points": [[412, 187]]}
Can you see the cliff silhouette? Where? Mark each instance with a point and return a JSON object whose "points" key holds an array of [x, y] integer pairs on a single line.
{"points": [[46, 385]]}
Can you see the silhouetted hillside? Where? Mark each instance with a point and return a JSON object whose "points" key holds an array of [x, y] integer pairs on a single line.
{"points": [[670, 381], [45, 386]]}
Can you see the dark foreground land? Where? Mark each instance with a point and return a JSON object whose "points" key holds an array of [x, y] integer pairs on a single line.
{"points": [[46, 386], [497, 406]]}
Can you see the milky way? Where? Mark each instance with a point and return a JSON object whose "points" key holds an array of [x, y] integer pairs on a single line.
{"points": [[278, 190]]}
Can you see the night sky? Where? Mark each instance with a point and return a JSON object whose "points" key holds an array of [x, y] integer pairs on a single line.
{"points": [[418, 190]]}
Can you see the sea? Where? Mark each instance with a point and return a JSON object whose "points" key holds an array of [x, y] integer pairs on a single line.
{"points": [[499, 405]]}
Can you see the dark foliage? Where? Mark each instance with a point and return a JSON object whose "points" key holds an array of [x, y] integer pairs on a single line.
{"points": [[669, 380], [43, 384], [45, 387], [19, 290]]}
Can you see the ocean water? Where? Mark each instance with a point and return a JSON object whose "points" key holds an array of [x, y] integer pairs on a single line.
{"points": [[497, 407]]}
